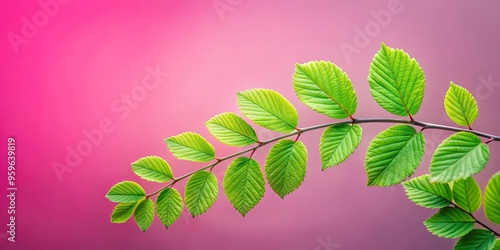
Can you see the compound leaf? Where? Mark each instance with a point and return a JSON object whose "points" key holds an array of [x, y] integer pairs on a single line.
{"points": [[191, 146], [324, 87], [477, 239], [126, 191], [269, 109], [467, 194], [458, 157], [450, 222], [144, 214], [338, 143], [492, 199], [244, 184], [393, 155], [201, 192], [286, 166], [152, 168], [169, 206], [231, 130], [460, 105], [426, 194]]}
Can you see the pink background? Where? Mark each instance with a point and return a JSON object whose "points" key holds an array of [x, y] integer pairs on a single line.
{"points": [[66, 77]]}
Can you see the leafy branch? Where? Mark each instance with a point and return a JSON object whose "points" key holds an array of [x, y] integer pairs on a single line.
{"points": [[397, 84]]}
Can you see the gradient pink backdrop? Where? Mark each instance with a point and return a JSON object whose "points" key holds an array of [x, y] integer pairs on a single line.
{"points": [[90, 53]]}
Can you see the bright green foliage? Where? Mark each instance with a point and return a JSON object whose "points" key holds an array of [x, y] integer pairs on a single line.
{"points": [[458, 157], [123, 211], [269, 109], [477, 239], [201, 192], [497, 245], [450, 222], [338, 143], [191, 146], [492, 199], [169, 206], [324, 87], [393, 155], [460, 105], [286, 166], [152, 168], [396, 81], [144, 214], [126, 191], [231, 129], [426, 194], [467, 194], [244, 184]]}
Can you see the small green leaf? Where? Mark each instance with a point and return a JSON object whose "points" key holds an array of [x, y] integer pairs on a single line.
{"points": [[324, 87], [396, 81], [286, 166], [460, 105], [497, 245], [467, 194], [191, 146], [393, 155], [144, 214], [338, 143], [269, 109], [152, 168], [123, 211], [458, 157], [450, 222], [169, 206], [126, 191], [231, 129], [201, 192], [477, 239], [244, 184], [426, 194], [492, 199]]}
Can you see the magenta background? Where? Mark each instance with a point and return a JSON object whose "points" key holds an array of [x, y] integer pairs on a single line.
{"points": [[64, 80]]}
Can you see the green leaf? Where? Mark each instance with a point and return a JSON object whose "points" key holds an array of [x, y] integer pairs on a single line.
{"points": [[324, 87], [396, 81], [458, 157], [191, 146], [201, 192], [126, 191], [144, 214], [477, 239], [244, 184], [467, 194], [338, 143], [492, 199], [231, 129], [460, 105], [152, 168], [269, 109], [169, 206], [393, 155], [123, 211], [286, 166], [497, 245], [450, 222], [426, 194]]}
